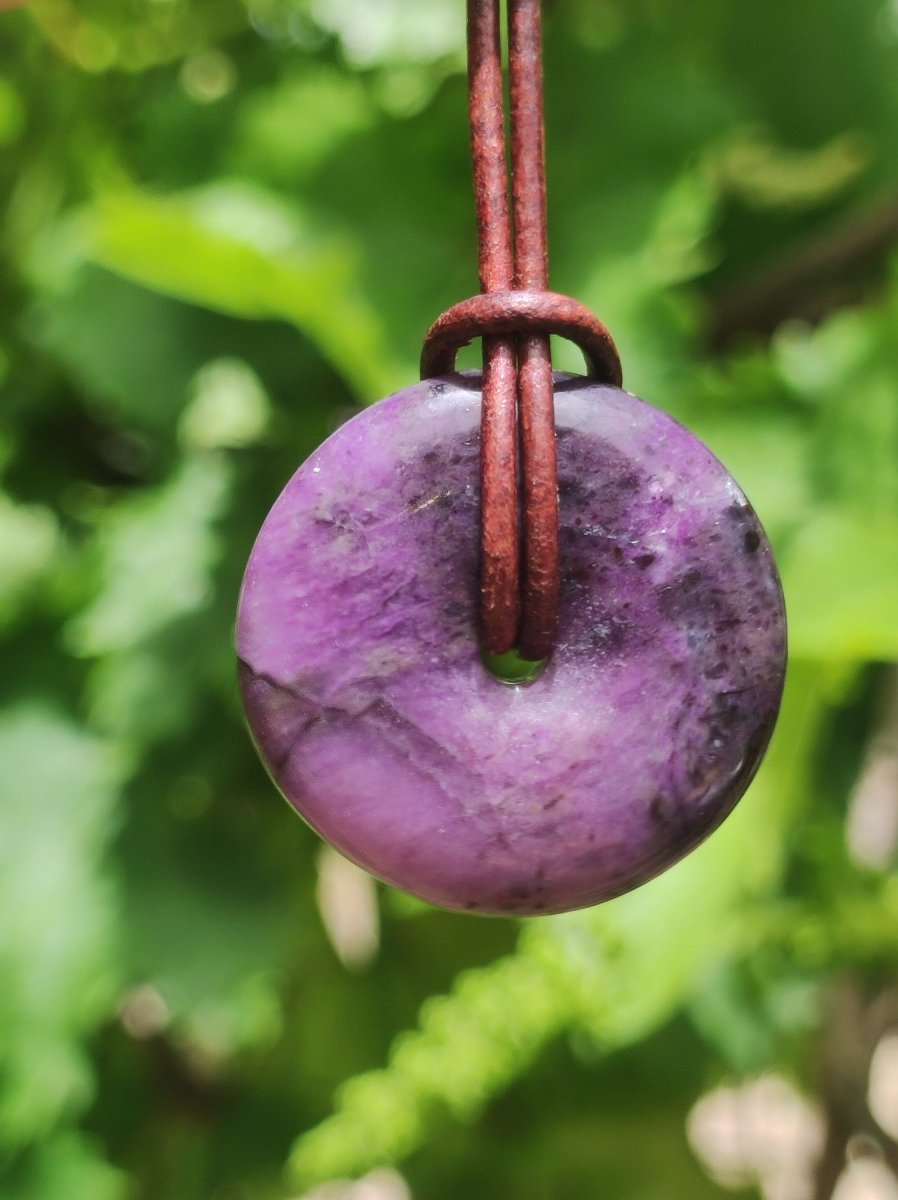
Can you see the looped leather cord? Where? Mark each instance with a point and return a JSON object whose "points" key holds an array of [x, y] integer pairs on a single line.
{"points": [[515, 315], [520, 312]]}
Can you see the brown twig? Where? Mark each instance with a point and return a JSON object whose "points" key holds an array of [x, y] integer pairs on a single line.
{"points": [[855, 1020], [810, 281]]}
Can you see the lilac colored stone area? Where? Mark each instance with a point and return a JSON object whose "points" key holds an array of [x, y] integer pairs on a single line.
{"points": [[370, 706]]}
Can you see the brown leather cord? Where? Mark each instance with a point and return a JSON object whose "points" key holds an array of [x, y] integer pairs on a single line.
{"points": [[520, 312], [536, 406], [500, 555], [515, 315]]}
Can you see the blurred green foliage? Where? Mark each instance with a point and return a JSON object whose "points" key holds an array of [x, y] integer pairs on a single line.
{"points": [[227, 224]]}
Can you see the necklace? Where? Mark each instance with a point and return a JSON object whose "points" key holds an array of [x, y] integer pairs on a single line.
{"points": [[557, 517]]}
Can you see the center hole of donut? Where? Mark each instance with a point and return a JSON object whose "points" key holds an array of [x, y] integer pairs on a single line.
{"points": [[510, 668]]}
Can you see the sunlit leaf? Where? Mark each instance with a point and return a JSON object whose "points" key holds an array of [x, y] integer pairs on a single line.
{"points": [[232, 249], [841, 582]]}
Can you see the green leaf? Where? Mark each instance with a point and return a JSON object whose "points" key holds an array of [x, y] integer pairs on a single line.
{"points": [[234, 249], [840, 577], [57, 925], [96, 36], [273, 145], [766, 175], [29, 544], [156, 552], [67, 1165], [229, 408]]}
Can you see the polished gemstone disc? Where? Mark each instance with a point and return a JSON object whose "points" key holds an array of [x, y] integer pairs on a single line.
{"points": [[370, 705]]}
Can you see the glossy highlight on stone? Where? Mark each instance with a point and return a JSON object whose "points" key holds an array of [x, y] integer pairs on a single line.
{"points": [[371, 708]]}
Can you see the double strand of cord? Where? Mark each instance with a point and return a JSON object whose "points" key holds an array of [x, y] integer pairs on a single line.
{"points": [[517, 378], [535, 396]]}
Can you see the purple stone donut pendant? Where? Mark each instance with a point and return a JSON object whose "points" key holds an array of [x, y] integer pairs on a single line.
{"points": [[369, 702]]}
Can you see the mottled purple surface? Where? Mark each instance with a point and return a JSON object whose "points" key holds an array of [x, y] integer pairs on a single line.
{"points": [[369, 703]]}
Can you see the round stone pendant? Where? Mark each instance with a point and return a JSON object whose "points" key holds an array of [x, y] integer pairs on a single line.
{"points": [[372, 709]]}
